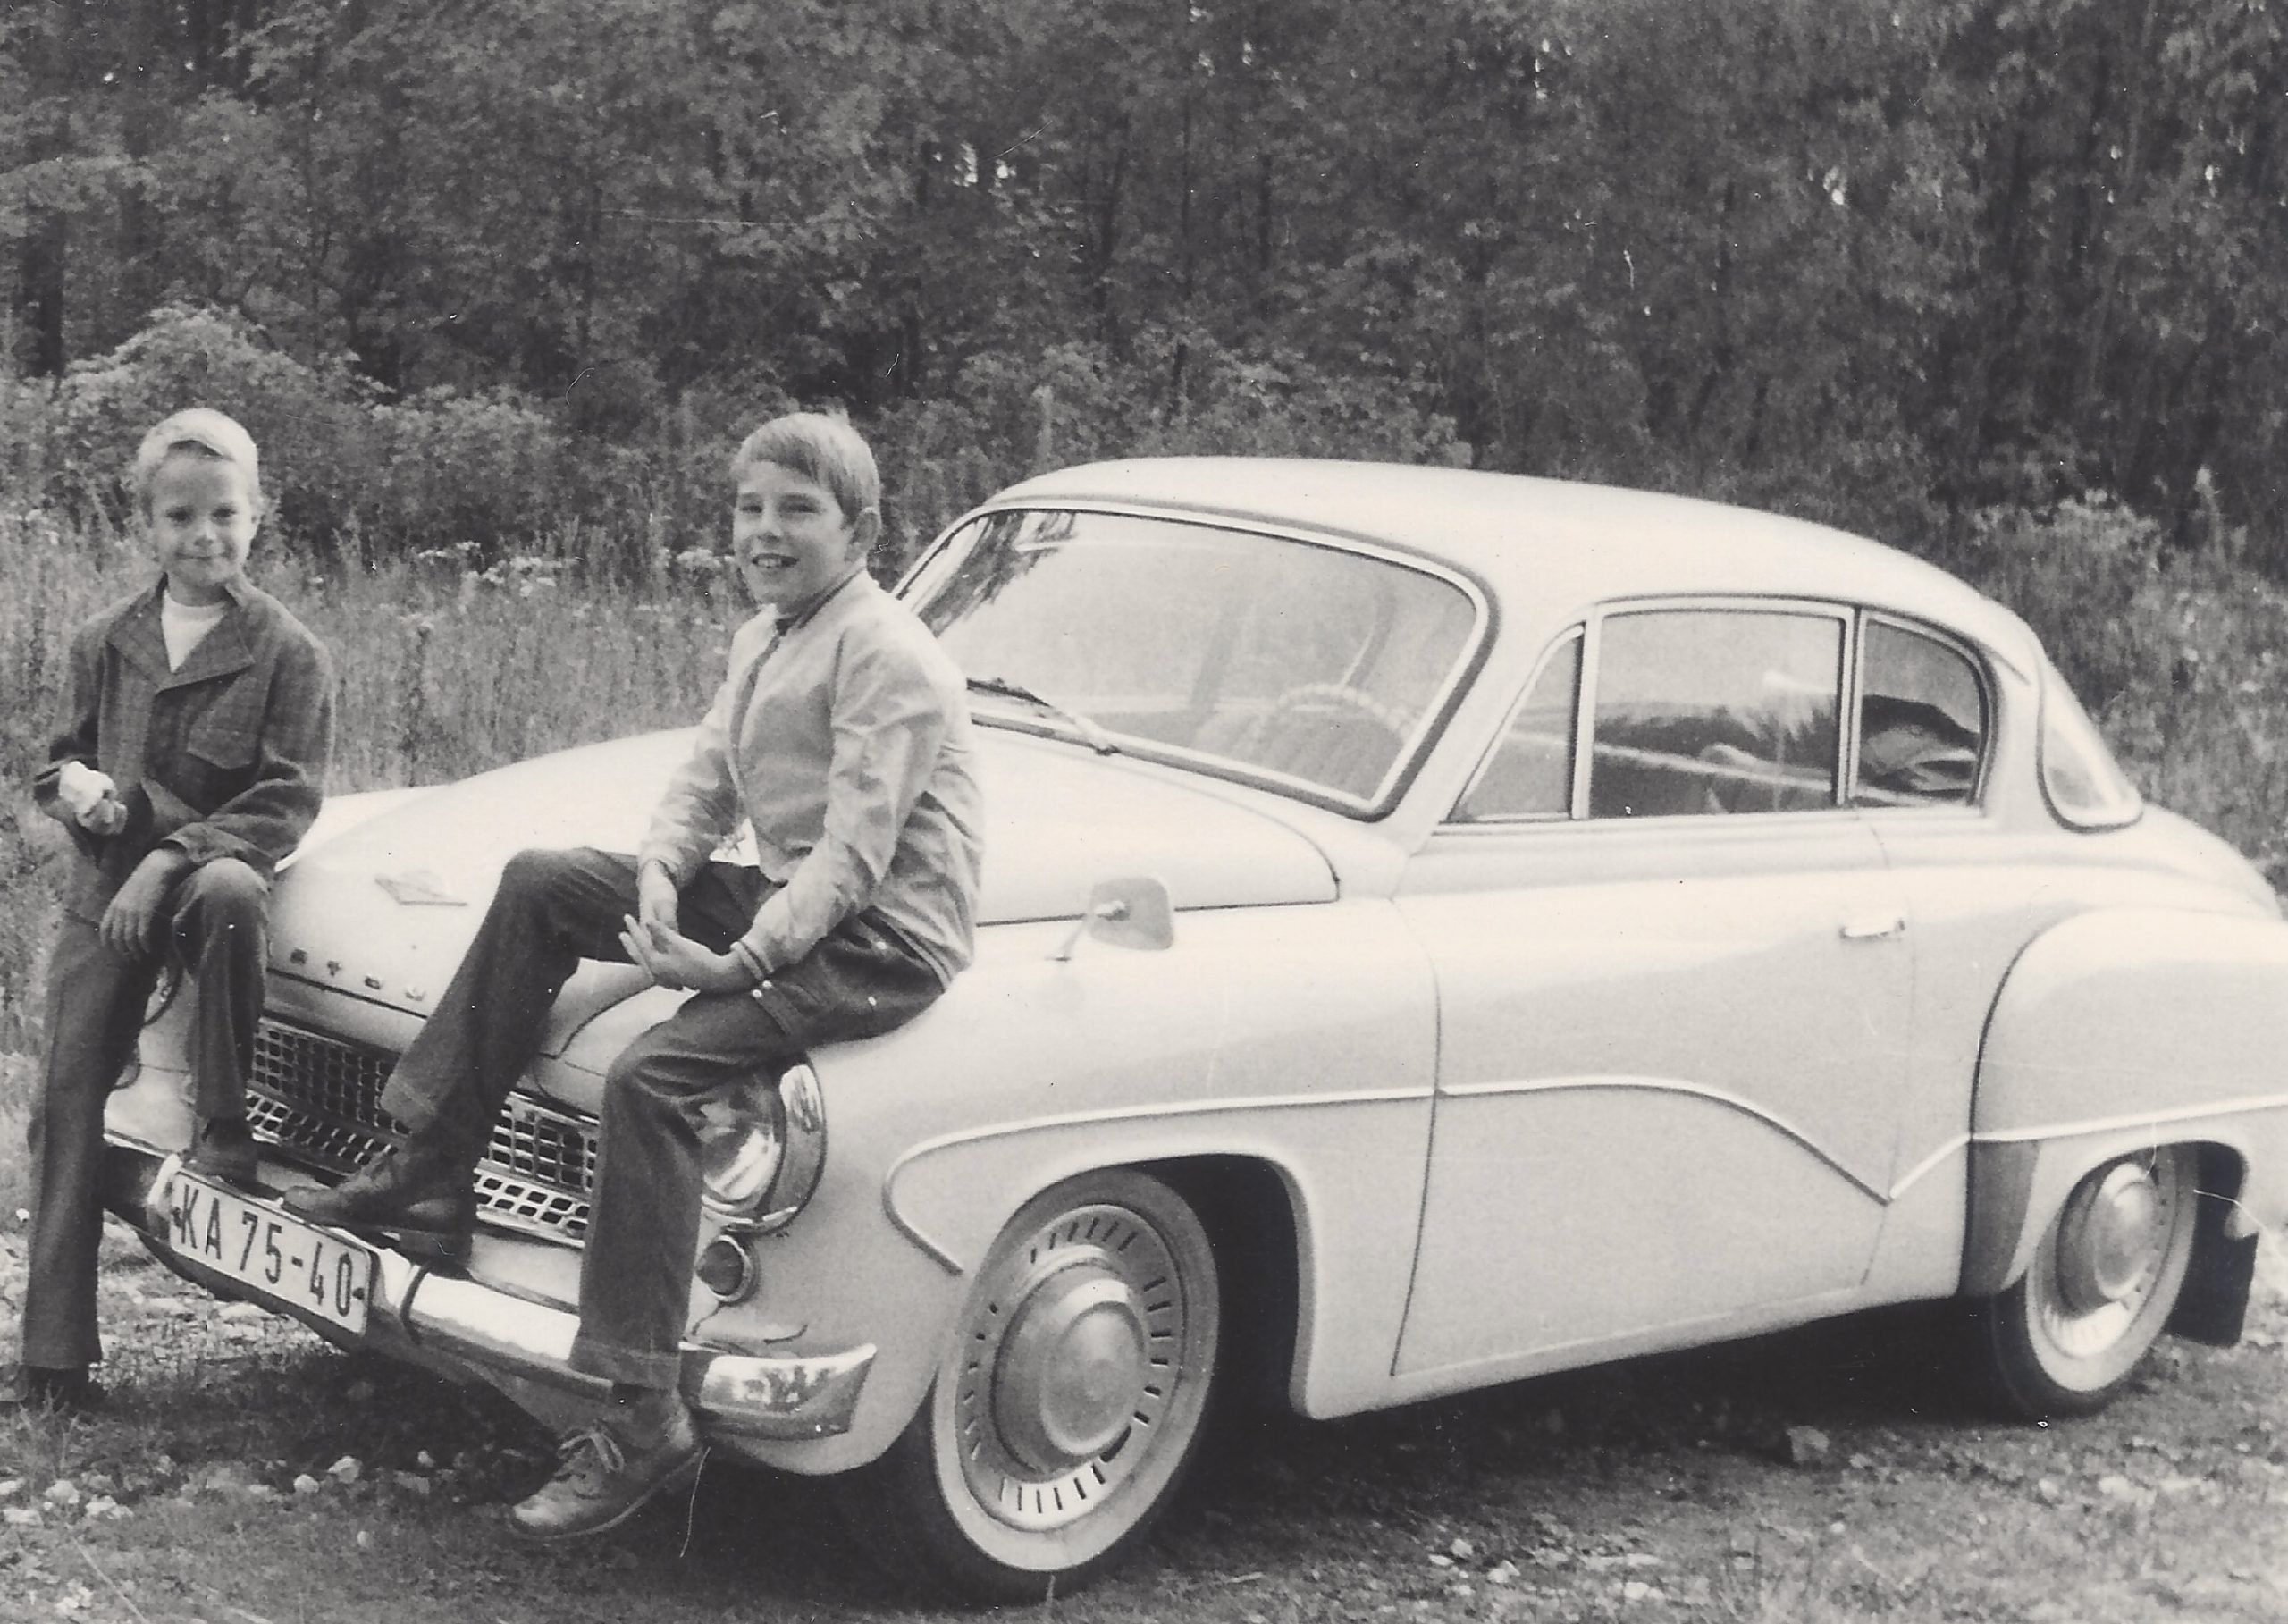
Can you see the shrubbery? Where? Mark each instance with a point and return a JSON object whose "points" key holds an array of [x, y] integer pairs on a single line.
{"points": [[494, 474]]}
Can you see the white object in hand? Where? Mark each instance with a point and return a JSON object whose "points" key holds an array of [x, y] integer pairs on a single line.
{"points": [[82, 787]]}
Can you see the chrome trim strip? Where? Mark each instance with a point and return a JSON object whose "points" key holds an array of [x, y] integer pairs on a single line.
{"points": [[2143, 1119], [1664, 1085], [946, 1260], [1916, 1174]]}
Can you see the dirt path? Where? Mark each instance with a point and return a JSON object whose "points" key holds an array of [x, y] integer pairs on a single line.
{"points": [[248, 1473]]}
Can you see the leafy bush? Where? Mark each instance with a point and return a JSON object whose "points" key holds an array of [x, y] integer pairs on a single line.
{"points": [[2083, 574], [305, 419], [455, 468], [1172, 394]]}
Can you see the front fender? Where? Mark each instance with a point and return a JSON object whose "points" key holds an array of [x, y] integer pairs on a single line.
{"points": [[1300, 1038], [2114, 1031]]}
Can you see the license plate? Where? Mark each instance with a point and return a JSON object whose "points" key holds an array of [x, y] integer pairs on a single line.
{"points": [[279, 1258]]}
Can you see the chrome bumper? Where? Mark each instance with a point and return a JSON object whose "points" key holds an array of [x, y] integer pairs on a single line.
{"points": [[444, 1320]]}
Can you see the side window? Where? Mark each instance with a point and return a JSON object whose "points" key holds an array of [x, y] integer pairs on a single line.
{"points": [[1530, 773], [1922, 722], [1715, 710], [2086, 788]]}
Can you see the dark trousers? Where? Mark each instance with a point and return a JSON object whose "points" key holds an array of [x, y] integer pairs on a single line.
{"points": [[215, 927], [556, 908]]}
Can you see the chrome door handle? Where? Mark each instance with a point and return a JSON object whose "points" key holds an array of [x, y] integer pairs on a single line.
{"points": [[1875, 928]]}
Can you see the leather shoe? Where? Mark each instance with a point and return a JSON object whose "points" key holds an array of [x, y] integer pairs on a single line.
{"points": [[224, 1149], [44, 1387], [416, 1198], [612, 1469]]}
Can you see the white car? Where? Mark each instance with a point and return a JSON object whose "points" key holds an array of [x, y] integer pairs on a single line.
{"points": [[1439, 928]]}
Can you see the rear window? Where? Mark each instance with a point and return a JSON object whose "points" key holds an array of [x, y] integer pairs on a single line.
{"points": [[2087, 789], [1922, 722]]}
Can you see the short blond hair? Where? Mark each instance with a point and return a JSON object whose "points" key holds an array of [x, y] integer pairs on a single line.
{"points": [[203, 432], [822, 448]]}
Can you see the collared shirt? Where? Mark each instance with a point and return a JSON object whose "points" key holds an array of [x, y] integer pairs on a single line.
{"points": [[224, 757], [842, 739]]}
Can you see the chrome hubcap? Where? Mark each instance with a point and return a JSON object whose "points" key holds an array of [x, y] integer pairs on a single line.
{"points": [[2110, 1238], [1072, 1370], [1073, 1355]]}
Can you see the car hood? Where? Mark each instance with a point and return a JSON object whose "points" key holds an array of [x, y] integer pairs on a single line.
{"points": [[381, 902]]}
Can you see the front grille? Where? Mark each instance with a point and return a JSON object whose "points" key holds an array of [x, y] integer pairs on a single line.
{"points": [[318, 1100]]}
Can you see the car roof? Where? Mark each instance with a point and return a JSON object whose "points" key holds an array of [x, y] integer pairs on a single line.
{"points": [[1553, 539]]}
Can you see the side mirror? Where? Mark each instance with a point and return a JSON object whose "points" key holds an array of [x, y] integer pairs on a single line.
{"points": [[1131, 912]]}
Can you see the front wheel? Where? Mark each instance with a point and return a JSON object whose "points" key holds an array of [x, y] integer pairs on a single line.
{"points": [[1068, 1404], [2063, 1340]]}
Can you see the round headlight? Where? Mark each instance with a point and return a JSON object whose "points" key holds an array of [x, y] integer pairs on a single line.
{"points": [[759, 1157], [737, 1163]]}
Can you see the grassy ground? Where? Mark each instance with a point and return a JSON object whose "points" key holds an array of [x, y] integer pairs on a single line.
{"points": [[246, 1472]]}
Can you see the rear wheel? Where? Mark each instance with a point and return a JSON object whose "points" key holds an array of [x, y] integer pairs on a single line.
{"points": [[2063, 1340], [1066, 1410]]}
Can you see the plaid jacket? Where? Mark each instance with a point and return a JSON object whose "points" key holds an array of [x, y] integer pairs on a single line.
{"points": [[224, 758]]}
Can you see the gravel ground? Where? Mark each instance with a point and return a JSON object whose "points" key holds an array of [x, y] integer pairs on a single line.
{"points": [[245, 1471]]}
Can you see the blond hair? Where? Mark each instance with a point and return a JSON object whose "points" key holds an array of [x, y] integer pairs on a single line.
{"points": [[203, 432], [821, 447]]}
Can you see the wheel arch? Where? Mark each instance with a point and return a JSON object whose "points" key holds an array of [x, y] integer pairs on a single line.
{"points": [[1255, 1215], [1249, 1209], [2088, 1055], [2018, 1187]]}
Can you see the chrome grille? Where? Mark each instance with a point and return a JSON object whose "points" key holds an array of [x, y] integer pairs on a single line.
{"points": [[318, 1101], [335, 1088]]}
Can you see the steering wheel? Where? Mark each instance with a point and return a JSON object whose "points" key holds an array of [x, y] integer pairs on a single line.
{"points": [[1329, 733]]}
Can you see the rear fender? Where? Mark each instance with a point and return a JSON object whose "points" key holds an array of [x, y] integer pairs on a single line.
{"points": [[2115, 1032]]}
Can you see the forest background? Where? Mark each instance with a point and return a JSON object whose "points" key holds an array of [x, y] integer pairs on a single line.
{"points": [[496, 283]]}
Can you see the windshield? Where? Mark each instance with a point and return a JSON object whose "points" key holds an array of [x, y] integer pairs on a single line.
{"points": [[1313, 667]]}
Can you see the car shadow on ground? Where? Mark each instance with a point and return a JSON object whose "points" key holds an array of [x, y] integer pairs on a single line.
{"points": [[1355, 1479], [1270, 1489]]}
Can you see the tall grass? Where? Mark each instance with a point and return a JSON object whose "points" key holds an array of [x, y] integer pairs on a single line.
{"points": [[443, 671], [446, 670]]}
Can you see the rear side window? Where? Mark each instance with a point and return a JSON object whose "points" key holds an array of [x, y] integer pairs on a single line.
{"points": [[1922, 722], [1715, 710], [2086, 789]]}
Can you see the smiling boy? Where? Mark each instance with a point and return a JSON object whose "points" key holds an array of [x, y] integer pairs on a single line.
{"points": [[841, 738], [190, 763]]}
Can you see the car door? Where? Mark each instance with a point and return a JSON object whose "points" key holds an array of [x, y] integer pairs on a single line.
{"points": [[1976, 889], [1673, 999]]}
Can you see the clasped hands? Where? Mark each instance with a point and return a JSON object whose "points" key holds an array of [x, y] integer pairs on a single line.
{"points": [[669, 958]]}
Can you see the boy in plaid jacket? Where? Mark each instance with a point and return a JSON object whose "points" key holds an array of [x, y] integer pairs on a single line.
{"points": [[189, 764]]}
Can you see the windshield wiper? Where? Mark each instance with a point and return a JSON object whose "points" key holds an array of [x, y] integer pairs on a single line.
{"points": [[1091, 735]]}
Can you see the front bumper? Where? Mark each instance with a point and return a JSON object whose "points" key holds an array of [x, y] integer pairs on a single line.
{"points": [[456, 1323]]}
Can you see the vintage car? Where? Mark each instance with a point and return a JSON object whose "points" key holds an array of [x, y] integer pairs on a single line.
{"points": [[1439, 928]]}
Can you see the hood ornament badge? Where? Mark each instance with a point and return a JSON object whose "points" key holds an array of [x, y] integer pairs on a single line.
{"points": [[419, 888]]}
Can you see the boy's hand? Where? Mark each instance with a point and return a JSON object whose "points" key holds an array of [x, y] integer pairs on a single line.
{"points": [[128, 922], [91, 798], [656, 897], [672, 959], [107, 816]]}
